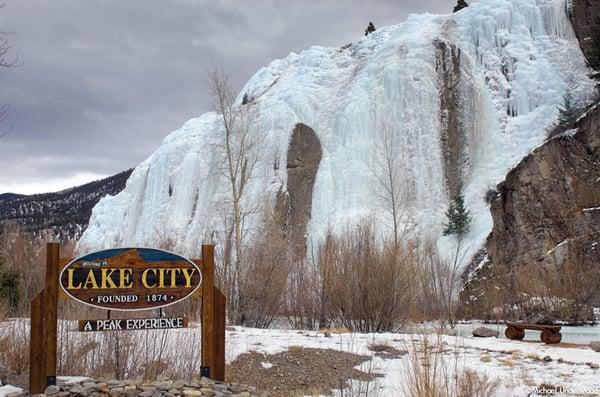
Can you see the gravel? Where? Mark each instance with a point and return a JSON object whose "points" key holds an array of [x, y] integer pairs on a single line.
{"points": [[298, 371]]}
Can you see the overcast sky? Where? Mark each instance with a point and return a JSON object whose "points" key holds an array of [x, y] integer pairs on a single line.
{"points": [[102, 82]]}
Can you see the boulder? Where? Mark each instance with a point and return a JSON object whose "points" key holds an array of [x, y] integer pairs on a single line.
{"points": [[484, 332], [51, 390], [595, 346]]}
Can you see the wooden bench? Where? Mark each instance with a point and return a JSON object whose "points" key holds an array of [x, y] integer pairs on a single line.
{"points": [[550, 333]]}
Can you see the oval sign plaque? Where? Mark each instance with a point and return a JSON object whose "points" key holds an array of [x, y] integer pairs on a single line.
{"points": [[130, 279]]}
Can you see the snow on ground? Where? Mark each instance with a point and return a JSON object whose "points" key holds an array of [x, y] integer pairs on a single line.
{"points": [[519, 365], [8, 391]]}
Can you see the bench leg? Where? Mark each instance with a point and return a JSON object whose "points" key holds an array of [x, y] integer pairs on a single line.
{"points": [[514, 333], [550, 338]]}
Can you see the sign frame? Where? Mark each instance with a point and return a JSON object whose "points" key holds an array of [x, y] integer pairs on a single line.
{"points": [[44, 321]]}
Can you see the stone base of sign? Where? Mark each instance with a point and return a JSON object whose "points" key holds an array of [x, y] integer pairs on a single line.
{"points": [[166, 388]]}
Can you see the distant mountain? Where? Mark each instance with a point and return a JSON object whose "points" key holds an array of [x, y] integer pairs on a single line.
{"points": [[65, 213], [10, 196]]}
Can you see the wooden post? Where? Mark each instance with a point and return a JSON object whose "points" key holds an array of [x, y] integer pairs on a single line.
{"points": [[208, 311], [37, 357], [219, 363], [51, 310]]}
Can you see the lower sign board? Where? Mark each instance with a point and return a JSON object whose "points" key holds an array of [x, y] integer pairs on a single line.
{"points": [[131, 324]]}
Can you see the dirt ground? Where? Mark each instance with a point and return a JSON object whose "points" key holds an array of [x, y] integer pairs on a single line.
{"points": [[297, 371]]}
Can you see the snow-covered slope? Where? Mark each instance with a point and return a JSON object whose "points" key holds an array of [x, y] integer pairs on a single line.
{"points": [[515, 58]]}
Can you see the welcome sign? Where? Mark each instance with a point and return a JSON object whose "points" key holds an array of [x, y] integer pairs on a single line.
{"points": [[126, 279], [130, 279]]}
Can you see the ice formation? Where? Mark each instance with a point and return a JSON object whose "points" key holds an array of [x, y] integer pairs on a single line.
{"points": [[517, 58]]}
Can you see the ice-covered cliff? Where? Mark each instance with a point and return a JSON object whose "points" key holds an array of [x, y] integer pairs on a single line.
{"points": [[467, 96]]}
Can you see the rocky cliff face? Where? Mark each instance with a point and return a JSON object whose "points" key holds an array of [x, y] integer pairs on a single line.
{"points": [[546, 217], [292, 210], [585, 16]]}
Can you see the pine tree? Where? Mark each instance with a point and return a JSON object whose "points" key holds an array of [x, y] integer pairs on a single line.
{"points": [[370, 29], [569, 111], [460, 4], [458, 216], [9, 286]]}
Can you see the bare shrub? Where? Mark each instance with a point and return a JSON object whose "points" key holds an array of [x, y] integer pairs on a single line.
{"points": [[439, 282], [567, 291], [474, 384], [14, 346], [24, 254], [434, 370], [264, 281], [144, 354], [305, 297], [367, 286], [427, 372]]}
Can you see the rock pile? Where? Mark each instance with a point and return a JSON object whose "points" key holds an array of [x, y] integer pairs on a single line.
{"points": [[164, 388]]}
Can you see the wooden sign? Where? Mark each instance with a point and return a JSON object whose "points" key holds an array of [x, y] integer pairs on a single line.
{"points": [[132, 324], [135, 276], [130, 279]]}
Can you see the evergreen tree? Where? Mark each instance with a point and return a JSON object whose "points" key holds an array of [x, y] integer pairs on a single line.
{"points": [[569, 111], [370, 29], [460, 4], [9, 286], [458, 216]]}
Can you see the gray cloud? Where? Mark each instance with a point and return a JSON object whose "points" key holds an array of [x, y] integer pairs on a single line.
{"points": [[103, 82]]}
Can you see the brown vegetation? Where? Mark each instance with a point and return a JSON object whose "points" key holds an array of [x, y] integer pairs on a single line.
{"points": [[436, 371]]}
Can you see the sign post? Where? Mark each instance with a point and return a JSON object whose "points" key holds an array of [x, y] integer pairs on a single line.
{"points": [[126, 279]]}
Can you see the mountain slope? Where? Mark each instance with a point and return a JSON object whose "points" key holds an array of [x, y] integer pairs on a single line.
{"points": [[467, 96], [65, 213]]}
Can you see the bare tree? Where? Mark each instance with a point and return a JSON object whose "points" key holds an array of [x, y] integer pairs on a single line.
{"points": [[5, 62], [443, 279], [240, 148], [390, 189]]}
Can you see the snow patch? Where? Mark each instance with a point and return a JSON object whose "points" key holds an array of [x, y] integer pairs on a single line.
{"points": [[10, 391]]}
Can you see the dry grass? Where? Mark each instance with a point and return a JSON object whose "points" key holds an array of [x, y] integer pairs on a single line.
{"points": [[14, 347], [335, 330], [485, 358], [145, 354], [434, 371]]}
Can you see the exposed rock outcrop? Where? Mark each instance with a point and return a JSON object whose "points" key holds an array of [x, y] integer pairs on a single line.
{"points": [[453, 139], [546, 216], [293, 207], [585, 17]]}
